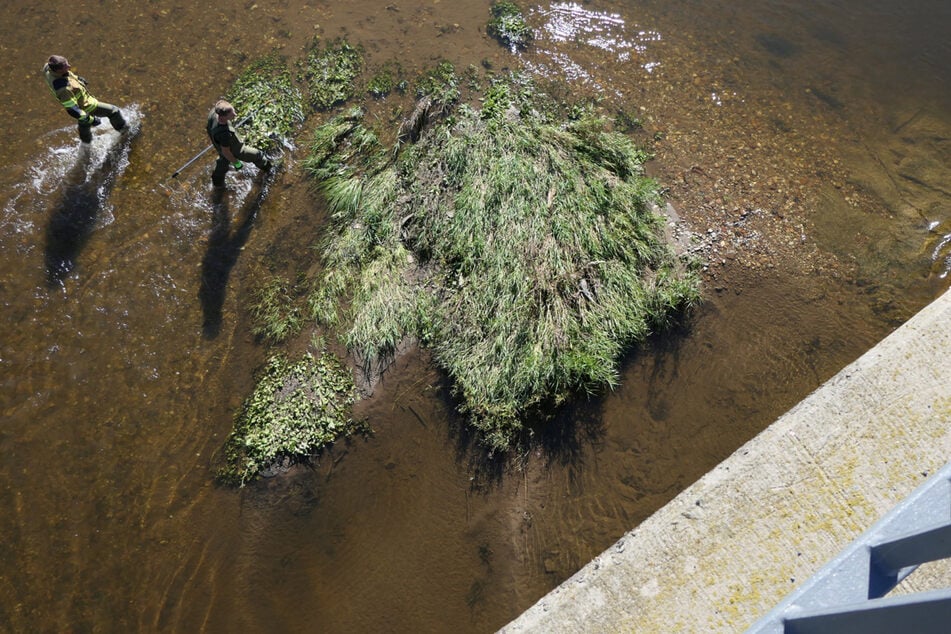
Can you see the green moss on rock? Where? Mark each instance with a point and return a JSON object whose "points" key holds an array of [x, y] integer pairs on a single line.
{"points": [[386, 79], [440, 84]]}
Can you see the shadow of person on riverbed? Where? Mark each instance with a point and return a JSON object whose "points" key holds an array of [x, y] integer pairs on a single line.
{"points": [[84, 192], [75, 214], [72, 218], [224, 246]]}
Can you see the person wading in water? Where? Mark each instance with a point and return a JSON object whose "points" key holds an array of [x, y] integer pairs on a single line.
{"points": [[70, 90], [231, 149]]}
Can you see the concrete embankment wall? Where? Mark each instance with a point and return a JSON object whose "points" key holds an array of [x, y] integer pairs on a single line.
{"points": [[725, 551]]}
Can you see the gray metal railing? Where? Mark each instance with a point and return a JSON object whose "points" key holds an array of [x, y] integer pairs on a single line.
{"points": [[847, 596]]}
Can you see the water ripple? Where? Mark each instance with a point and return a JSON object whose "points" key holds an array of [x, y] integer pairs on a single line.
{"points": [[594, 32], [941, 256]]}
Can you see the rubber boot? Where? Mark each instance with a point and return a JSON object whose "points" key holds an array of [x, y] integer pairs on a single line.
{"points": [[117, 121], [271, 164], [85, 133], [218, 175]]}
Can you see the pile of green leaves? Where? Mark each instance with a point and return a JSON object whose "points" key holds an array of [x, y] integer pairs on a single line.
{"points": [[521, 250], [440, 84], [508, 25], [295, 410], [331, 72], [387, 79], [264, 90]]}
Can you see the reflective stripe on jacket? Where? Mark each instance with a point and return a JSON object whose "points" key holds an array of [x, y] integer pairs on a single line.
{"points": [[69, 91]]}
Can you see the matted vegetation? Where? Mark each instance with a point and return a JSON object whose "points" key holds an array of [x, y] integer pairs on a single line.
{"points": [[264, 91], [330, 72], [519, 248], [508, 25], [385, 80], [517, 243], [440, 84], [296, 409]]}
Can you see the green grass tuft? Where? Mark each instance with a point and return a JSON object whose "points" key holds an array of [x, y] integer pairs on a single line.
{"points": [[275, 315]]}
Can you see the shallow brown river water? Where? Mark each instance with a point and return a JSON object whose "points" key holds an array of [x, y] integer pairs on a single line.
{"points": [[805, 147]]}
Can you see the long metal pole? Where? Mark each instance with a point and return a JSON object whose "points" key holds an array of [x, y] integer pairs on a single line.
{"points": [[202, 153]]}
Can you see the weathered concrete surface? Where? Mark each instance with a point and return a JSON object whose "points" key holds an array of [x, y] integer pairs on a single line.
{"points": [[724, 552]]}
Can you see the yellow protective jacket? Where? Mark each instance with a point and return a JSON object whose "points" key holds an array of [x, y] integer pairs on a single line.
{"points": [[71, 93]]}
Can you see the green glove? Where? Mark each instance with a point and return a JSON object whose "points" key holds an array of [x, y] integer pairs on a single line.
{"points": [[237, 165]]}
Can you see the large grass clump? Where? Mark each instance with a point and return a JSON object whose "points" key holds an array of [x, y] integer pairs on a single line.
{"points": [[519, 248], [296, 409], [265, 92]]}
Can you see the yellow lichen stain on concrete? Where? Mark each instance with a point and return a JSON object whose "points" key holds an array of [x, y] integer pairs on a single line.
{"points": [[743, 595]]}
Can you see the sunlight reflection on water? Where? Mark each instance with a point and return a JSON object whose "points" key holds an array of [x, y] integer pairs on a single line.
{"points": [[941, 256], [570, 22]]}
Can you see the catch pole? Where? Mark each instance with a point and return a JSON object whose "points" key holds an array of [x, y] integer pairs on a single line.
{"points": [[202, 153]]}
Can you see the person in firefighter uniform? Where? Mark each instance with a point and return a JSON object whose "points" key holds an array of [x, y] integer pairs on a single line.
{"points": [[70, 90]]}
